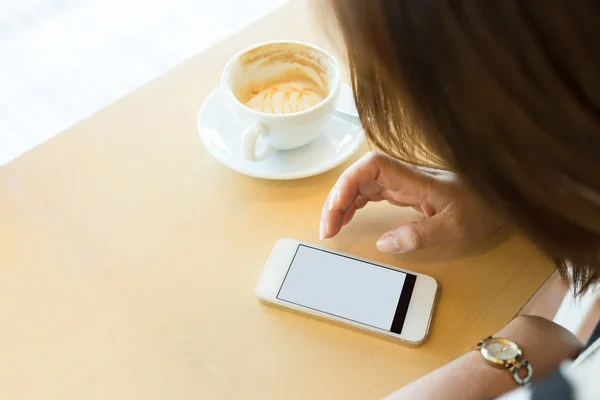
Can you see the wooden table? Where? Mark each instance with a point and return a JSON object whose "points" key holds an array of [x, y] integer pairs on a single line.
{"points": [[128, 259]]}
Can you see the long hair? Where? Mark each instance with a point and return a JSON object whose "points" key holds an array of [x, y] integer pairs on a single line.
{"points": [[505, 93]]}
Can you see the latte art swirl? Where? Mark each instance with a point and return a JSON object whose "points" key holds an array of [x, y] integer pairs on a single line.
{"points": [[285, 98]]}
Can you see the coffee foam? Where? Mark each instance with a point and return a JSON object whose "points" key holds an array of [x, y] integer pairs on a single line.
{"points": [[288, 92], [282, 78]]}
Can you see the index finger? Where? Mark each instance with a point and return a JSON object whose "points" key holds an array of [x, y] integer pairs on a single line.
{"points": [[374, 173], [374, 177]]}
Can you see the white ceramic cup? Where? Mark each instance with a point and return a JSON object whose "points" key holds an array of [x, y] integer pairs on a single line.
{"points": [[269, 61]]}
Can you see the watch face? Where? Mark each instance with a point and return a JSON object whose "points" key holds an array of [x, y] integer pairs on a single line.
{"points": [[500, 351]]}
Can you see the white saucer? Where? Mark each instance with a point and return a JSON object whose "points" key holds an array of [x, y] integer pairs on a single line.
{"points": [[220, 135]]}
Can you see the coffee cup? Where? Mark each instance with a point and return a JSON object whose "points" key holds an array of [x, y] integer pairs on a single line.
{"points": [[281, 94]]}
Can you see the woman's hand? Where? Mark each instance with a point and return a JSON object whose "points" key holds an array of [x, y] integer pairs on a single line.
{"points": [[451, 212]]}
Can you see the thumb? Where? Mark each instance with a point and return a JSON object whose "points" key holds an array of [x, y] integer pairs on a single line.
{"points": [[417, 235]]}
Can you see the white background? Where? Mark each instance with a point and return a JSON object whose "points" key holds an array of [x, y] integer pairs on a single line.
{"points": [[62, 60]]}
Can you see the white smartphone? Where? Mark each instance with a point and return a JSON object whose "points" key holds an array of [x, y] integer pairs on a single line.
{"points": [[374, 297]]}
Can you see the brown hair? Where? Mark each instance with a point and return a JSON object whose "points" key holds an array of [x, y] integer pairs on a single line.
{"points": [[506, 93]]}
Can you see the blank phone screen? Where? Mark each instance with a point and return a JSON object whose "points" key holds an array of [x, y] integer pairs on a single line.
{"points": [[348, 288]]}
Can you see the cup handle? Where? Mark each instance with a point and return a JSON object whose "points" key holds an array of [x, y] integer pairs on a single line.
{"points": [[249, 139]]}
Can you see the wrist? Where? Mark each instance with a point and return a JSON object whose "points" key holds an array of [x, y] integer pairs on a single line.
{"points": [[544, 343], [497, 380], [541, 342]]}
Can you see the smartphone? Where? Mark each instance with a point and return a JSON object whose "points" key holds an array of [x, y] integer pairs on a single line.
{"points": [[363, 294]]}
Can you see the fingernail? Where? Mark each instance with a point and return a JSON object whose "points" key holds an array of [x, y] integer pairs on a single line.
{"points": [[333, 199], [322, 230], [388, 243]]}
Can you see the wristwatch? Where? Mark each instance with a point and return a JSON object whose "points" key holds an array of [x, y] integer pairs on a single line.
{"points": [[504, 353]]}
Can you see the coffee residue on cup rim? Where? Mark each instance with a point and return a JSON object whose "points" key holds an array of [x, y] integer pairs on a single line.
{"points": [[292, 53]]}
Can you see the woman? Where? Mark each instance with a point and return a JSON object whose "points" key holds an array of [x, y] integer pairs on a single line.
{"points": [[506, 95]]}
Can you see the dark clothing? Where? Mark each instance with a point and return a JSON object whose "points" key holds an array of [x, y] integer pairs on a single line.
{"points": [[595, 336]]}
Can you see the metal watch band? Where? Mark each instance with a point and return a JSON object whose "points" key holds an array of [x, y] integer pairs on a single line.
{"points": [[514, 367]]}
